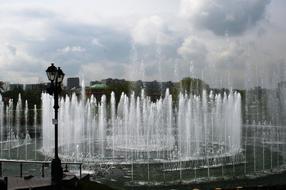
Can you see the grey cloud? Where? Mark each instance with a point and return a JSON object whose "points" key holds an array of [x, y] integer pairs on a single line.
{"points": [[12, 49], [231, 17], [116, 45], [28, 12], [36, 13]]}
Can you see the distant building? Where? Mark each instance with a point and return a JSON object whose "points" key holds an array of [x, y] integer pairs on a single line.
{"points": [[40, 86], [73, 83], [94, 82], [281, 93], [16, 87], [97, 90], [111, 81]]}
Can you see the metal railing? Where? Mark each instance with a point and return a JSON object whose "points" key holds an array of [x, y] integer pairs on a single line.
{"points": [[42, 163]]}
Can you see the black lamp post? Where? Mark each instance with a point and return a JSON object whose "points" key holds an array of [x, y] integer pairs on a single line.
{"points": [[56, 76]]}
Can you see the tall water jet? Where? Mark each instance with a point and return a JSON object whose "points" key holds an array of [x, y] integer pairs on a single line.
{"points": [[27, 139], [18, 121], [47, 126], [113, 118], [10, 136], [1, 124], [26, 129], [35, 130], [102, 125]]}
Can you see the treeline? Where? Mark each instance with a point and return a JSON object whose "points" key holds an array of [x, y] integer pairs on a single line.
{"points": [[32, 96], [153, 89]]}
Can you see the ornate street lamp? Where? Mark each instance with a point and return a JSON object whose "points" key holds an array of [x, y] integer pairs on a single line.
{"points": [[56, 76]]}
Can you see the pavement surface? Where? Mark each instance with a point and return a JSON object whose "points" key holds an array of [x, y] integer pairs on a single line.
{"points": [[21, 183]]}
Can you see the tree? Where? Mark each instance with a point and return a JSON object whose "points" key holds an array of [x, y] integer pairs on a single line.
{"points": [[190, 85], [2, 87]]}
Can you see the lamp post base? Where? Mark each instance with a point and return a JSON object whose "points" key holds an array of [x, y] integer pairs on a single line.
{"points": [[57, 171]]}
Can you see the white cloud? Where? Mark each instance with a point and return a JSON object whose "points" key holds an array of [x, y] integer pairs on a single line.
{"points": [[190, 8], [102, 70], [151, 30], [193, 49], [16, 65], [97, 42], [69, 49]]}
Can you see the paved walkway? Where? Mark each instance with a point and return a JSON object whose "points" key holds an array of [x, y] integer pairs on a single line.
{"points": [[17, 183]]}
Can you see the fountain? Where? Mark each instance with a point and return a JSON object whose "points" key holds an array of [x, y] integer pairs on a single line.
{"points": [[137, 130]]}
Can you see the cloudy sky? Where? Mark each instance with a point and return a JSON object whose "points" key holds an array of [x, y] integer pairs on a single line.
{"points": [[233, 43]]}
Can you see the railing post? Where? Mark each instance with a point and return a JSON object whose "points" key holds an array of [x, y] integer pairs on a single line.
{"points": [[6, 183], [80, 171], [21, 169], [43, 170], [0, 169], [66, 168]]}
